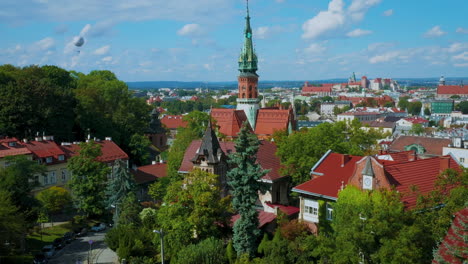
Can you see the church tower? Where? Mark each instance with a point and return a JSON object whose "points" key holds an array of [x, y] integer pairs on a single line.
{"points": [[248, 78]]}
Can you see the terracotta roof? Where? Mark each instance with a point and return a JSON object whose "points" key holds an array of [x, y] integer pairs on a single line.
{"points": [[433, 146], [421, 173], [271, 120], [229, 121], [110, 151], [416, 120], [265, 157], [334, 176], [379, 124], [173, 121], [317, 89], [263, 218], [288, 210], [452, 249], [44, 149], [149, 173], [452, 89], [17, 149]]}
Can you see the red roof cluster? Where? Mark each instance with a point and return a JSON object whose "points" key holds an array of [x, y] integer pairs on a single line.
{"points": [[44, 149], [416, 120], [149, 173], [271, 120], [12, 147], [110, 151], [452, 89], [173, 121], [432, 146], [265, 157], [229, 121]]}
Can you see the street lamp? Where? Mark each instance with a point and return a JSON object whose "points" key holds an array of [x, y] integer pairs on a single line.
{"points": [[160, 232]]}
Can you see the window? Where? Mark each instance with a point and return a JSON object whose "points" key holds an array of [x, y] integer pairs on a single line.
{"points": [[329, 212], [64, 175], [311, 210], [46, 179], [462, 160], [52, 179], [61, 157], [49, 160]]}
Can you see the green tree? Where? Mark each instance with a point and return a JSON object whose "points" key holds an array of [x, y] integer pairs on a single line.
{"points": [[427, 112], [414, 108], [177, 150], [119, 187], [417, 129], [193, 210], [197, 122], [208, 251], [338, 110], [403, 102], [139, 146], [244, 182], [19, 179], [463, 107], [12, 222], [88, 179], [54, 199], [130, 211]]}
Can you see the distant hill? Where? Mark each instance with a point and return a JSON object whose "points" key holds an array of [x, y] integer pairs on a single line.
{"points": [[285, 84]]}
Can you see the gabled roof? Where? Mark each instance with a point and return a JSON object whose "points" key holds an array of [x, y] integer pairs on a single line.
{"points": [[263, 218], [416, 120], [45, 149], [271, 120], [210, 150], [150, 173], [287, 209], [173, 121], [265, 157], [331, 175], [229, 121], [110, 151], [433, 146], [452, 89], [15, 149]]}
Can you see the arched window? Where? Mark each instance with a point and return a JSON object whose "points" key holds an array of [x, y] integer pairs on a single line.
{"points": [[243, 95]]}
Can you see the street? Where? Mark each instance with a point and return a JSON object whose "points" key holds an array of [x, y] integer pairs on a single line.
{"points": [[78, 251]]}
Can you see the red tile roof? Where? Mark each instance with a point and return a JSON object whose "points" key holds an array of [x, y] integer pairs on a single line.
{"points": [[110, 151], [421, 173], [271, 120], [265, 157], [452, 249], [263, 218], [317, 89], [288, 210], [416, 120], [45, 149], [173, 121], [334, 176], [229, 121], [17, 149], [452, 89], [433, 146], [150, 173]]}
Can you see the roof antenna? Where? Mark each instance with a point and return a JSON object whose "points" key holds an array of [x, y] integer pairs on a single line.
{"points": [[247, 8]]}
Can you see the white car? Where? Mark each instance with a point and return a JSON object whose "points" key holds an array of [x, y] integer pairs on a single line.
{"points": [[48, 251], [98, 227]]}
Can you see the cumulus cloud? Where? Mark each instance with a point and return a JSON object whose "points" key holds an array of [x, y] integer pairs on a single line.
{"points": [[384, 57], [266, 32], [107, 59], [462, 30], [379, 46], [102, 50], [457, 46], [315, 48], [461, 56], [45, 44], [191, 30], [358, 33], [434, 32], [85, 30], [336, 17], [388, 12]]}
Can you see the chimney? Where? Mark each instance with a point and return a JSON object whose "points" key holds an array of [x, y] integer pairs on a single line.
{"points": [[25, 140], [444, 163], [153, 162], [38, 138], [344, 158], [108, 138]]}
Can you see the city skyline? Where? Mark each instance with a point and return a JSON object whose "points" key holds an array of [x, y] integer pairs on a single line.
{"points": [[201, 40]]}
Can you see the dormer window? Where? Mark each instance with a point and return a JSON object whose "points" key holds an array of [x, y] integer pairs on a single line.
{"points": [[61, 157], [49, 160], [12, 144]]}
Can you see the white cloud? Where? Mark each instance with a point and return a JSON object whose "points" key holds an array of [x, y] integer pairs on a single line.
{"points": [[107, 59], [384, 57], [462, 30], [315, 48], [191, 30], [102, 50], [358, 33], [434, 32], [336, 17], [379, 46], [388, 12], [85, 30], [457, 46], [461, 56], [45, 44], [266, 32]]}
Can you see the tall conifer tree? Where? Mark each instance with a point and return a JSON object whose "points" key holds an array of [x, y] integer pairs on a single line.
{"points": [[245, 185]]}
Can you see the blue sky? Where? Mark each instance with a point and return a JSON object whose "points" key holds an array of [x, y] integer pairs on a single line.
{"points": [[199, 40]]}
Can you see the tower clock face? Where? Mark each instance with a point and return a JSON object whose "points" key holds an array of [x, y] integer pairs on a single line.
{"points": [[249, 35], [367, 182]]}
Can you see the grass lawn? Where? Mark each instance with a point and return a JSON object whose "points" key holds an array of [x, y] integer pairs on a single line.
{"points": [[34, 243]]}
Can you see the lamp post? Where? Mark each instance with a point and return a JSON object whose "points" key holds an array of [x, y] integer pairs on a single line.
{"points": [[161, 233], [90, 242]]}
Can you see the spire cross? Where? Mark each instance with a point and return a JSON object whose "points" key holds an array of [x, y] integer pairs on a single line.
{"points": [[247, 8]]}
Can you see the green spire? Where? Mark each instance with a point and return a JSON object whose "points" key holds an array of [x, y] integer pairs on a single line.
{"points": [[248, 59]]}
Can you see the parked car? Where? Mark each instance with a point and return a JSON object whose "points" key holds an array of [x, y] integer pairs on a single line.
{"points": [[58, 243], [69, 237], [81, 232], [98, 227], [48, 251], [40, 259]]}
